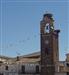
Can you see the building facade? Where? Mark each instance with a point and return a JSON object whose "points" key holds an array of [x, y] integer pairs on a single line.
{"points": [[30, 65], [45, 62]]}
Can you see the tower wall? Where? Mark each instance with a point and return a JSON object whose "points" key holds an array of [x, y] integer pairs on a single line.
{"points": [[49, 47]]}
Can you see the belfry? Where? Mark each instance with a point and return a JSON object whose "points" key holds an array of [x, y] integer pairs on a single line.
{"points": [[49, 45]]}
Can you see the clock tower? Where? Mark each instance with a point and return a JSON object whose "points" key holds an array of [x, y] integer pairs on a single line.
{"points": [[49, 45]]}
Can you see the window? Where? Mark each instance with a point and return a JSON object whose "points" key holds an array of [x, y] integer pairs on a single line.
{"points": [[1, 73], [23, 69], [6, 67], [67, 73], [37, 69], [67, 64]]}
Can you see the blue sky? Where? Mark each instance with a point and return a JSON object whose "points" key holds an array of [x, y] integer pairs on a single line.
{"points": [[21, 25]]}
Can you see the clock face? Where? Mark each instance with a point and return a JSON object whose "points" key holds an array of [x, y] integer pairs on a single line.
{"points": [[47, 42], [47, 28]]}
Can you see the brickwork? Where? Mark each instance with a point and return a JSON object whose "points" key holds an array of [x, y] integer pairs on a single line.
{"points": [[49, 48]]}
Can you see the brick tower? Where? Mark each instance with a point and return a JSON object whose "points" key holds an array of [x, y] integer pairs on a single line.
{"points": [[49, 45]]}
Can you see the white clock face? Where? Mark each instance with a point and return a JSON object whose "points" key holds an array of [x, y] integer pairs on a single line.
{"points": [[46, 42], [47, 28]]}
